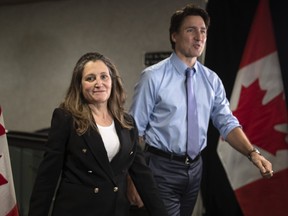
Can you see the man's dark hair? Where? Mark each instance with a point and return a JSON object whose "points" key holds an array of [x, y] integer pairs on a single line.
{"points": [[178, 17]]}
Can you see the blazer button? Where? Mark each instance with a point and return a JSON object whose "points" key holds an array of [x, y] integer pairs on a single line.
{"points": [[96, 190], [90, 171], [84, 150], [131, 152], [115, 189]]}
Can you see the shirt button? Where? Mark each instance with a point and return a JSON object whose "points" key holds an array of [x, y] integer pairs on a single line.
{"points": [[84, 150], [90, 171], [96, 190], [115, 189]]}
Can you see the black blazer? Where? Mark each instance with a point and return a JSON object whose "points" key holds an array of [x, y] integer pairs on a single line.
{"points": [[90, 185]]}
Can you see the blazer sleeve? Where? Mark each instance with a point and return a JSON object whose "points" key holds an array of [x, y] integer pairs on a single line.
{"points": [[144, 181], [50, 168]]}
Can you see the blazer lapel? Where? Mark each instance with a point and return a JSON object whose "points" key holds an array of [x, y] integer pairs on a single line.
{"points": [[95, 143], [125, 150]]}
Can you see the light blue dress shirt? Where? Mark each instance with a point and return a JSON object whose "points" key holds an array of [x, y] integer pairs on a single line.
{"points": [[159, 105]]}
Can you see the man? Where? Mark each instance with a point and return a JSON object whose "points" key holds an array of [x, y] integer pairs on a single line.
{"points": [[160, 108]]}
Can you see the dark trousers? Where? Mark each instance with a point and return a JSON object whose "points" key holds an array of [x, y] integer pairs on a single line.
{"points": [[178, 183]]}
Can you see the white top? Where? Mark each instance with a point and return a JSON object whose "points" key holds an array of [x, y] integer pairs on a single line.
{"points": [[110, 139]]}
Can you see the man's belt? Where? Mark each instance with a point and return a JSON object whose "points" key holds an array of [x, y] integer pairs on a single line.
{"points": [[182, 158]]}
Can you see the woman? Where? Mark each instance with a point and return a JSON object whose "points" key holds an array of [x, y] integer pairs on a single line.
{"points": [[92, 146]]}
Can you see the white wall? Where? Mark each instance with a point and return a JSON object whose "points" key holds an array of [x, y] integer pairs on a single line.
{"points": [[41, 42]]}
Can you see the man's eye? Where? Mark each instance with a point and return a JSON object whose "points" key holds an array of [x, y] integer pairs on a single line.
{"points": [[204, 32]]}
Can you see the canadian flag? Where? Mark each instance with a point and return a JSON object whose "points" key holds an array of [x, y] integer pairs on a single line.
{"points": [[8, 204], [258, 101]]}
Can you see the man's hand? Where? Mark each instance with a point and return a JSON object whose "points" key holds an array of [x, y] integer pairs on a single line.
{"points": [[263, 165]]}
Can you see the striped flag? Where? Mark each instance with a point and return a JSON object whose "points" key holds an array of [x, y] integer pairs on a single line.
{"points": [[8, 204], [258, 101]]}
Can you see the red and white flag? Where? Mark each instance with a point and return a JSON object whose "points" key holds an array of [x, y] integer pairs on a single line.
{"points": [[8, 204], [258, 101]]}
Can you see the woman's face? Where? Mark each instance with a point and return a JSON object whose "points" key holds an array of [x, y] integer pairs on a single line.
{"points": [[96, 82]]}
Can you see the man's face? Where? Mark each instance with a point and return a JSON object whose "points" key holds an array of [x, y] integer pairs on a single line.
{"points": [[191, 38]]}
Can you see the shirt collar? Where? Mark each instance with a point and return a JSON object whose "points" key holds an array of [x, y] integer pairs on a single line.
{"points": [[179, 65]]}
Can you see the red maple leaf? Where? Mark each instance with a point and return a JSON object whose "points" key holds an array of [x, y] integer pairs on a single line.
{"points": [[2, 180], [2, 130], [259, 120]]}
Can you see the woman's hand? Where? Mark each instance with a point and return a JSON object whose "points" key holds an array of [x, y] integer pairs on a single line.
{"points": [[132, 193]]}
